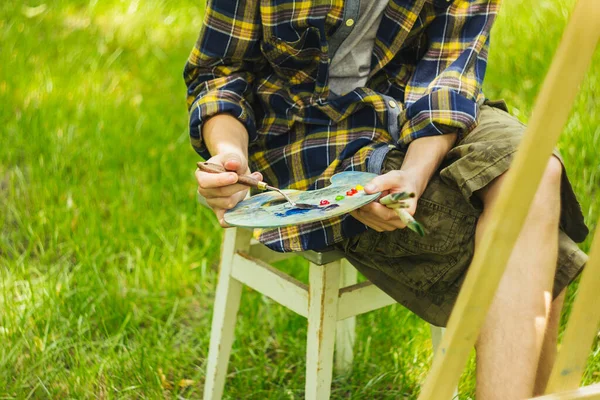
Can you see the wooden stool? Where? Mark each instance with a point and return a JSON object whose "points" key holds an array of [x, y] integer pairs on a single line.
{"points": [[330, 302]]}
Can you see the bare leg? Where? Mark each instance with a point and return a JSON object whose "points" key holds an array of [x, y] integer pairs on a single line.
{"points": [[510, 342], [548, 355]]}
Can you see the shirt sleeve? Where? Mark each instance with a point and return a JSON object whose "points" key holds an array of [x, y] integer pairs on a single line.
{"points": [[220, 70], [444, 92]]}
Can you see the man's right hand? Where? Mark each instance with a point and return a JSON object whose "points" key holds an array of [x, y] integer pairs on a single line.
{"points": [[221, 191]]}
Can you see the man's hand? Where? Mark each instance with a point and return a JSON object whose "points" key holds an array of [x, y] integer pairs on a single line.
{"points": [[226, 137], [221, 190], [379, 217], [422, 159]]}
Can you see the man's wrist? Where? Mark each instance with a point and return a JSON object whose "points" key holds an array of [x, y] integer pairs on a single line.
{"points": [[419, 177], [223, 133], [424, 156]]}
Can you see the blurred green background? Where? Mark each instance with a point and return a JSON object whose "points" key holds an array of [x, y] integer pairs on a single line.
{"points": [[107, 264]]}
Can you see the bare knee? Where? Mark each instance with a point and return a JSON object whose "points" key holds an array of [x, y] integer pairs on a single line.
{"points": [[546, 202], [552, 175]]}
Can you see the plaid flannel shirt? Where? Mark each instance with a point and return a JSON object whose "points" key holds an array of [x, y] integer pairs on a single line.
{"points": [[266, 62]]}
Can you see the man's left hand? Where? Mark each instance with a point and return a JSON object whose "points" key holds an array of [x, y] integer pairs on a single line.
{"points": [[379, 217]]}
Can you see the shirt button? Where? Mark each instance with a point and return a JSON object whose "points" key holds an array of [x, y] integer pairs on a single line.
{"points": [[349, 22], [392, 103]]}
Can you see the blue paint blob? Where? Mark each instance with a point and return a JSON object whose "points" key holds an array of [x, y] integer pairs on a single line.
{"points": [[296, 211], [292, 211]]}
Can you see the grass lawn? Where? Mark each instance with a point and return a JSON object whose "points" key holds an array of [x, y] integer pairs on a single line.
{"points": [[107, 264]]}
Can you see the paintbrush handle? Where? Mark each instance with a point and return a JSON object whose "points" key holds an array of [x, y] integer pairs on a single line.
{"points": [[242, 179], [409, 221]]}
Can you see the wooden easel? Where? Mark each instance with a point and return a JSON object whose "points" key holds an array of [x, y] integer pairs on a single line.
{"points": [[550, 114]]}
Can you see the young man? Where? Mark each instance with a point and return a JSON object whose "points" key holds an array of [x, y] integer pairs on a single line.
{"points": [[297, 91]]}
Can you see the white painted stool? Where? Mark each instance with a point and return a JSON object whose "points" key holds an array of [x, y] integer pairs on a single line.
{"points": [[330, 302]]}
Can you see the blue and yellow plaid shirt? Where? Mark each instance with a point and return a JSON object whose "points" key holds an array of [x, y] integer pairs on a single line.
{"points": [[266, 62]]}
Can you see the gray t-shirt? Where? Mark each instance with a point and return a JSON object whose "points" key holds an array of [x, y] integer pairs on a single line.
{"points": [[351, 64]]}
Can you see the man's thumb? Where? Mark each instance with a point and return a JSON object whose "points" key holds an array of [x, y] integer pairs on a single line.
{"points": [[384, 182]]}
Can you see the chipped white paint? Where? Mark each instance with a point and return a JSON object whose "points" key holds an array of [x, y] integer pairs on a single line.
{"points": [[346, 329], [323, 290]]}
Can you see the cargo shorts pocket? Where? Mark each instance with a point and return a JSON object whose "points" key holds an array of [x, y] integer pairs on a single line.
{"points": [[439, 255], [419, 262], [445, 229]]}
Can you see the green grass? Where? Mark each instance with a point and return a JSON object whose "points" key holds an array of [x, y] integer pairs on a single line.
{"points": [[108, 266]]}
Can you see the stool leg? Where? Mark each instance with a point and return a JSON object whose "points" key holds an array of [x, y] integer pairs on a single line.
{"points": [[227, 302], [324, 281], [346, 329], [436, 339], [436, 336]]}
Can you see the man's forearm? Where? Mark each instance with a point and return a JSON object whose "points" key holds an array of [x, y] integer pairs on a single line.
{"points": [[424, 156], [225, 134]]}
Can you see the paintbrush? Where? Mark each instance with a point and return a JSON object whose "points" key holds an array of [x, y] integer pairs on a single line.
{"points": [[251, 182], [395, 197], [393, 201]]}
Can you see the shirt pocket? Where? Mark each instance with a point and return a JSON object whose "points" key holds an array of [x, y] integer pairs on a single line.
{"points": [[296, 61]]}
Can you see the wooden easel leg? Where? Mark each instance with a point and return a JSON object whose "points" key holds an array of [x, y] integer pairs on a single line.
{"points": [[581, 328], [436, 336], [227, 302], [346, 329], [324, 281]]}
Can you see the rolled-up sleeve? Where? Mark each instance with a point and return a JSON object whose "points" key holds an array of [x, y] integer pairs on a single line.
{"points": [[220, 70], [444, 92]]}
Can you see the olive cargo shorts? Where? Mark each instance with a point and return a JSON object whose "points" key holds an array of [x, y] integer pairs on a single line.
{"points": [[425, 274]]}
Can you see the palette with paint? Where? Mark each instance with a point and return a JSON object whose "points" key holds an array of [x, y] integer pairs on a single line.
{"points": [[270, 210]]}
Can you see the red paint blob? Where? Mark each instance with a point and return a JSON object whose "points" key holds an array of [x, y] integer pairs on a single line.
{"points": [[351, 192], [324, 202]]}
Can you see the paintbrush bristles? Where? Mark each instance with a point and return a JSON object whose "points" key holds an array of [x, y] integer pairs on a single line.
{"points": [[397, 205], [409, 221], [394, 201], [395, 197]]}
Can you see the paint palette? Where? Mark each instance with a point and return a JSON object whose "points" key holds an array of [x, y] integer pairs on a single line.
{"points": [[270, 210]]}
